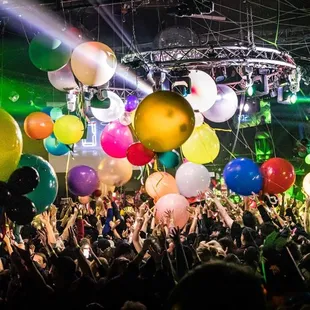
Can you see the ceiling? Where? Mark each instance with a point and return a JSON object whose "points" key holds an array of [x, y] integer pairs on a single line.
{"points": [[126, 24]]}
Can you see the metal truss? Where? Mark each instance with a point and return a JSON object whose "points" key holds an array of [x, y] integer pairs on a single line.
{"points": [[212, 57]]}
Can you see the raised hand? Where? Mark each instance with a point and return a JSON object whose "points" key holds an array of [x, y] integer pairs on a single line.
{"points": [[175, 235]]}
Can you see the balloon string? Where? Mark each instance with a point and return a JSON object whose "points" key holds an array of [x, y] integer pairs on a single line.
{"points": [[219, 129], [228, 151], [66, 175], [147, 170], [155, 164]]}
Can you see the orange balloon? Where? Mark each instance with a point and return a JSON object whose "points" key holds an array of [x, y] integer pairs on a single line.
{"points": [[160, 184], [38, 125], [84, 200]]}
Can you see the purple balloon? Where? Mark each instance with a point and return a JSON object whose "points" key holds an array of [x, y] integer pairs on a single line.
{"points": [[131, 103], [82, 180]]}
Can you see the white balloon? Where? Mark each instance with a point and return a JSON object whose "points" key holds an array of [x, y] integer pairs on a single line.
{"points": [[62, 79], [203, 91], [306, 184], [225, 106], [115, 111], [192, 179], [198, 119], [125, 119]]}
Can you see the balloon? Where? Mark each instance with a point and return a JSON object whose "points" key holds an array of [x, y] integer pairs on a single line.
{"points": [[279, 175], [115, 111], [203, 146], [20, 210], [63, 79], [115, 140], [139, 155], [47, 110], [192, 179], [69, 129], [169, 159], [225, 105], [11, 145], [84, 200], [159, 184], [23, 180], [93, 63], [56, 113], [132, 103], [164, 120], [114, 171], [175, 203], [307, 159], [105, 189], [306, 184], [125, 119], [203, 91], [48, 54], [54, 147], [82, 180], [243, 176], [38, 125], [45, 193], [198, 119], [97, 193]]}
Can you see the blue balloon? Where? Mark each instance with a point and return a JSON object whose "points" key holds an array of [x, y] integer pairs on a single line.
{"points": [[243, 176], [47, 110], [54, 147], [169, 159]]}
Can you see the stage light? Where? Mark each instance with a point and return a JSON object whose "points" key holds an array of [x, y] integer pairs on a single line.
{"points": [[250, 91], [292, 98], [180, 82], [246, 108], [71, 101], [14, 96]]}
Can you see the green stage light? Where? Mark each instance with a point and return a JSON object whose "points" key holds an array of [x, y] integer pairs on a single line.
{"points": [[250, 91], [292, 98]]}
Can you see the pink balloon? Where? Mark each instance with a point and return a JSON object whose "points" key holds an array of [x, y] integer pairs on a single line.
{"points": [[176, 203], [115, 139]]}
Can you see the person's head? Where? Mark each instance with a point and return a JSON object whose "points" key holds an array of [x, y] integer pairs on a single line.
{"points": [[85, 247], [249, 219], [118, 267], [123, 249], [237, 289], [63, 271], [40, 259], [248, 236], [227, 244], [266, 229], [132, 305]]}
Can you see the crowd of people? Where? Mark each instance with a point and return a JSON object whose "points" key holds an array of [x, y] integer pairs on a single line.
{"points": [[112, 253]]}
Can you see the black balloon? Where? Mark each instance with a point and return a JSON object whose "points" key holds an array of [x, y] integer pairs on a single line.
{"points": [[4, 193], [20, 210], [23, 180]]}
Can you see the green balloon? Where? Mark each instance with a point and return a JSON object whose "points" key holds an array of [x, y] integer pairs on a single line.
{"points": [[169, 159], [48, 54], [45, 193], [307, 159]]}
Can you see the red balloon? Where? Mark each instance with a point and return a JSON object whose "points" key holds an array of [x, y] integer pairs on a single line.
{"points": [[97, 193], [139, 155], [279, 175]]}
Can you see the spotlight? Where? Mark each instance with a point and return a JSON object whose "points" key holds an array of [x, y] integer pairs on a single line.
{"points": [[180, 82], [156, 78], [71, 101], [246, 108], [285, 96], [101, 100], [250, 91], [292, 98]]}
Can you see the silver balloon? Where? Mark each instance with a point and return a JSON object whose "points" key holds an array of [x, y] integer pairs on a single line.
{"points": [[225, 106], [114, 112], [63, 79]]}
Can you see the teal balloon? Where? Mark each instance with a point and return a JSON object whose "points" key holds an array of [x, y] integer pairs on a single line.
{"points": [[54, 147], [169, 159], [45, 193], [56, 113], [48, 54]]}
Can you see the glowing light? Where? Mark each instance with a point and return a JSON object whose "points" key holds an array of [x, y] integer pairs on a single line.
{"points": [[246, 108], [293, 98], [250, 91]]}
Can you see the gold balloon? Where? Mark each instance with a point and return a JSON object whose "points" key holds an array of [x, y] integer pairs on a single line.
{"points": [[105, 189], [203, 146], [114, 171], [11, 145], [164, 121], [93, 63]]}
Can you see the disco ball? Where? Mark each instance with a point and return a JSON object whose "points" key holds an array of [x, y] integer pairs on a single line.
{"points": [[175, 37]]}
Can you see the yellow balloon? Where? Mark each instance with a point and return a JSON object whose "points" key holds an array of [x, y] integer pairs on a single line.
{"points": [[164, 120], [203, 146], [93, 63], [114, 171], [11, 145], [132, 117], [69, 129], [306, 184]]}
